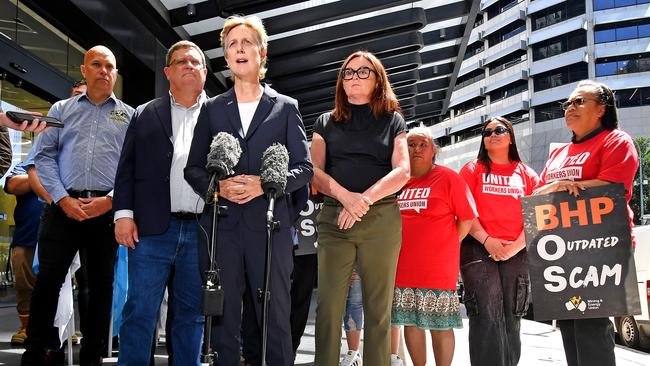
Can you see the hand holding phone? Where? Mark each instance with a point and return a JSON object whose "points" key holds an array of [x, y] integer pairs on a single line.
{"points": [[19, 117]]}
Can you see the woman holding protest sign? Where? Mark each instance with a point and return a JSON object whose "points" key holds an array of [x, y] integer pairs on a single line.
{"points": [[598, 154], [434, 203], [493, 260]]}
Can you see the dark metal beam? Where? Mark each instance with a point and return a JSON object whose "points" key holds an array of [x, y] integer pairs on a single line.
{"points": [[219, 8], [332, 57], [447, 11], [469, 25], [305, 18], [356, 33]]}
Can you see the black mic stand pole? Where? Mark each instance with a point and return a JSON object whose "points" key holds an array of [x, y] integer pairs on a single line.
{"points": [[212, 293], [265, 294]]}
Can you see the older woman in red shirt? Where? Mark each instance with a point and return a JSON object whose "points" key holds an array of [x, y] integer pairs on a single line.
{"points": [[437, 211]]}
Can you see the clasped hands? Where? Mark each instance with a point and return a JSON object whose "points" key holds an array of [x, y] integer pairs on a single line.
{"points": [[81, 209], [355, 206], [500, 249], [241, 189]]}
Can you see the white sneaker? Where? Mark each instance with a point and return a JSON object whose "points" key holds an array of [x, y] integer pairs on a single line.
{"points": [[352, 358], [395, 360]]}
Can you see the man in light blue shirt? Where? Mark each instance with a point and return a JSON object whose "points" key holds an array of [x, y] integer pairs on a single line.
{"points": [[77, 165]]}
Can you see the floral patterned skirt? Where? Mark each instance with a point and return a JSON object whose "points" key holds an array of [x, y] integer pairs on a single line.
{"points": [[425, 308]]}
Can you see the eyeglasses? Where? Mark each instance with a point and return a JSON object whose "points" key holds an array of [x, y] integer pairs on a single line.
{"points": [[180, 62], [363, 73], [79, 83], [499, 130], [575, 102]]}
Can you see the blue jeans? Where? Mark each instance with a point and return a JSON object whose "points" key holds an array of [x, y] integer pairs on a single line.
{"points": [[496, 298], [149, 267], [353, 318]]}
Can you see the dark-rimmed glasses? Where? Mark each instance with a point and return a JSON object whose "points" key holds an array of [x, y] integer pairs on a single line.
{"points": [[363, 73], [499, 130], [576, 102], [182, 61]]}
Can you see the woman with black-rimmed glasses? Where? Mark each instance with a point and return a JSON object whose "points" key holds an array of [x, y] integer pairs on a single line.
{"points": [[493, 262], [360, 161], [598, 154]]}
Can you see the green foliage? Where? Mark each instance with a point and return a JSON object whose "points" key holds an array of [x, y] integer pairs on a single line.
{"points": [[643, 149]]}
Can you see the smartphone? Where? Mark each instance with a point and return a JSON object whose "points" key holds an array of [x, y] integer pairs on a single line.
{"points": [[19, 117]]}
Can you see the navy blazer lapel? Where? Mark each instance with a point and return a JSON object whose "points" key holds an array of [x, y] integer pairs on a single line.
{"points": [[263, 109], [232, 111], [164, 112]]}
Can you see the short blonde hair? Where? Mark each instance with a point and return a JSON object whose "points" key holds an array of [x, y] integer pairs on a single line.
{"points": [[254, 23]]}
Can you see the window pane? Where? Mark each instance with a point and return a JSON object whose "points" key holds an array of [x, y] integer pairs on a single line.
{"points": [[621, 67], [619, 3], [575, 8], [554, 49], [643, 64], [603, 4], [627, 98], [644, 29], [577, 72], [607, 35], [645, 94], [607, 68], [626, 33], [556, 80]]}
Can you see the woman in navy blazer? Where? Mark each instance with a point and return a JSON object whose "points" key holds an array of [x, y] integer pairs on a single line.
{"points": [[257, 116]]}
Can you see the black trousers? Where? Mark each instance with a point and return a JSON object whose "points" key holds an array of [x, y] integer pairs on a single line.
{"points": [[59, 240], [588, 341], [241, 257], [496, 298], [305, 273]]}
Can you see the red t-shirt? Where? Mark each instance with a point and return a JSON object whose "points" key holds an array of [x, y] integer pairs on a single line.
{"points": [[430, 253], [498, 195], [609, 156]]}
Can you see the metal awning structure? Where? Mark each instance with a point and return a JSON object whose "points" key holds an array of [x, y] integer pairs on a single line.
{"points": [[421, 43]]}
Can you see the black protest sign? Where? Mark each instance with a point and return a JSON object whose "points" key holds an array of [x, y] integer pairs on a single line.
{"points": [[306, 226], [580, 254]]}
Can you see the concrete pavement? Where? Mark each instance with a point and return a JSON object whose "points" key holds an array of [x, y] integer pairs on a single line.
{"points": [[541, 345]]}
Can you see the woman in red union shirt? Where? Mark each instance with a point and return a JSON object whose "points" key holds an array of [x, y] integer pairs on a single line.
{"points": [[437, 212], [598, 154], [493, 261]]}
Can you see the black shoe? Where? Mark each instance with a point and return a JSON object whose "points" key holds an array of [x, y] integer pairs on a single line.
{"points": [[31, 358], [54, 358], [86, 359], [94, 362]]}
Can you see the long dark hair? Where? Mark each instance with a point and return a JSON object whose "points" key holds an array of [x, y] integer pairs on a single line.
{"points": [[383, 100], [483, 157], [605, 95]]}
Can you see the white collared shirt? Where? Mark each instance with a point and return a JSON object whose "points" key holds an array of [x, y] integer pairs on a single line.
{"points": [[182, 196]]}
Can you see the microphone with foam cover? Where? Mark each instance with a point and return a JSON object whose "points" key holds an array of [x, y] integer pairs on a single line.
{"points": [[275, 165], [224, 155]]}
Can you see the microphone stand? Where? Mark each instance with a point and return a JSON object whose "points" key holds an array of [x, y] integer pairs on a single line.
{"points": [[265, 294], [212, 294]]}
